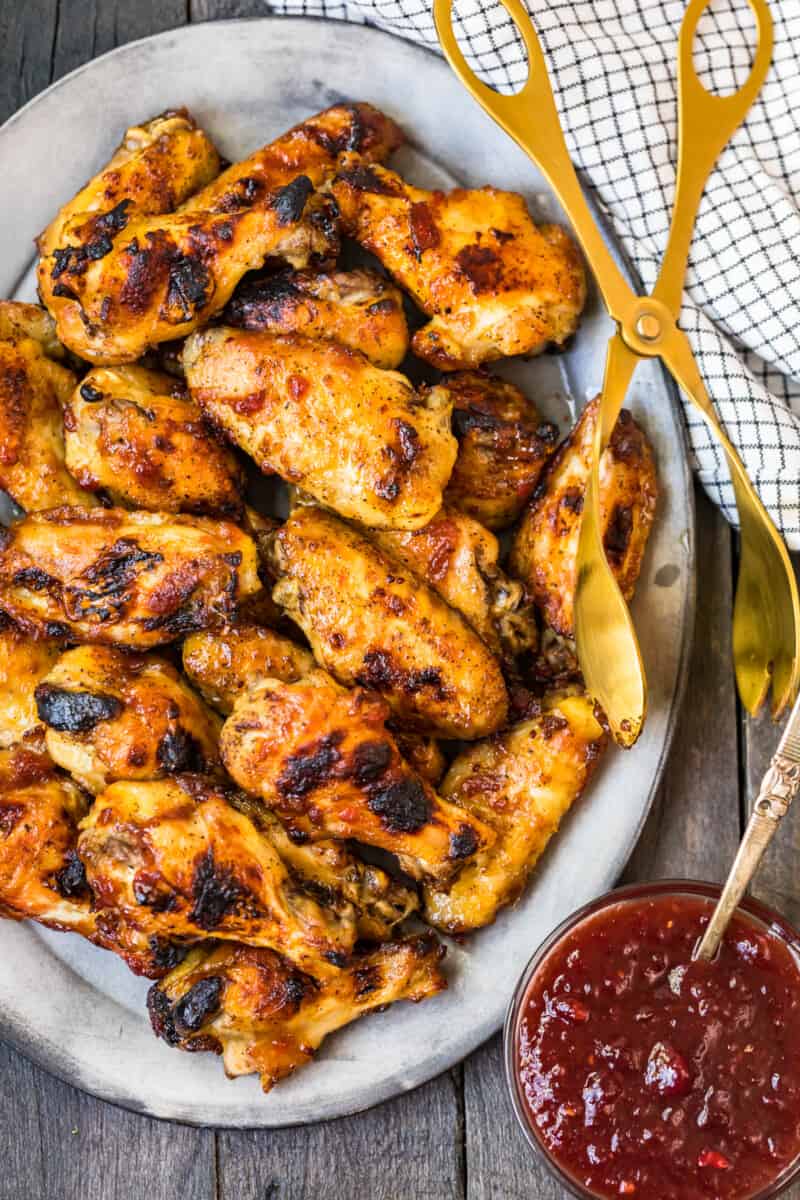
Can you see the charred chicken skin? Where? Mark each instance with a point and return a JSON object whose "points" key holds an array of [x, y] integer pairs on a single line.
{"points": [[520, 784], [137, 579], [121, 283], [314, 148], [372, 622], [136, 436], [360, 440], [545, 547], [267, 1018], [33, 391], [492, 283], [457, 557], [357, 309], [111, 715], [23, 665], [176, 860], [223, 665], [156, 166], [503, 446], [321, 758]]}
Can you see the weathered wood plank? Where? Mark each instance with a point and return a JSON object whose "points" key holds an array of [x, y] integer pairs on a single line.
{"points": [[26, 39], [409, 1147], [220, 10], [90, 27], [692, 830], [58, 1144]]}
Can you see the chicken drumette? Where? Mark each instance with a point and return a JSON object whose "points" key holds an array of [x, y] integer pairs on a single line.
{"points": [[492, 283], [222, 665]]}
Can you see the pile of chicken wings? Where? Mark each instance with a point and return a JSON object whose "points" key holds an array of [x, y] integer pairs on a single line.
{"points": [[260, 760]]}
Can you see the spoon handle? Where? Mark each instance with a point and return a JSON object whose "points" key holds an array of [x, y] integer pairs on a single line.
{"points": [[779, 787]]}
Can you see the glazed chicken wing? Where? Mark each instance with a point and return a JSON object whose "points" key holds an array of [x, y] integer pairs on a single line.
{"points": [[313, 148], [222, 665], [23, 664], [503, 445], [371, 622], [136, 436], [117, 289], [457, 557], [19, 321], [358, 309], [111, 715], [267, 1018], [154, 169], [176, 860], [334, 875], [520, 784], [492, 283], [321, 758], [356, 438], [33, 391], [545, 546], [135, 578]]}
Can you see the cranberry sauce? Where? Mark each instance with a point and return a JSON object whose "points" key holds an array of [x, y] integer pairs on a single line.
{"points": [[646, 1074]]}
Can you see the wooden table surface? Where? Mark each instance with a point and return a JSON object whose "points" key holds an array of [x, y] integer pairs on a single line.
{"points": [[455, 1138]]}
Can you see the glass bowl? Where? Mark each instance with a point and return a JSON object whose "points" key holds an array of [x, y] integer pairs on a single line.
{"points": [[762, 917]]}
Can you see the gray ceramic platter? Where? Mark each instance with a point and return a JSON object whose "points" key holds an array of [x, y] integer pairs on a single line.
{"points": [[76, 1010]]}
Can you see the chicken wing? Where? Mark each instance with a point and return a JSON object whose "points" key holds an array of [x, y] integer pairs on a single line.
{"points": [[176, 860], [156, 166], [111, 715], [266, 1018], [503, 445], [373, 623], [19, 321], [423, 754], [313, 148], [334, 875], [545, 547], [358, 439], [33, 390], [118, 289], [223, 665], [135, 435], [321, 758], [23, 664], [135, 578], [358, 309], [457, 557], [520, 784], [492, 283]]}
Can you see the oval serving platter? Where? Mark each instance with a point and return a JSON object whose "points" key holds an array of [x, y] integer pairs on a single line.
{"points": [[75, 1009]]}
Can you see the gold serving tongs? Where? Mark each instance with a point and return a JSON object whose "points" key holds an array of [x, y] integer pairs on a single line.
{"points": [[766, 619]]}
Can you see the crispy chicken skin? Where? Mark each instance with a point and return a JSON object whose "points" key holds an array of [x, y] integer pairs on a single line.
{"points": [[156, 166], [23, 664], [334, 875], [178, 861], [360, 440], [267, 1018], [19, 321], [313, 148], [374, 623], [137, 579], [457, 557], [503, 445], [321, 758], [223, 665], [40, 874], [33, 391], [110, 715], [544, 551], [136, 436], [492, 283], [358, 309], [121, 283], [520, 784]]}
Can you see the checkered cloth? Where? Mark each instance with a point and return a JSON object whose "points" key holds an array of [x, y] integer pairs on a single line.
{"points": [[613, 64]]}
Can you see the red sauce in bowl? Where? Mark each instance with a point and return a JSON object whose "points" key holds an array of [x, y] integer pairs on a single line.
{"points": [[642, 1073]]}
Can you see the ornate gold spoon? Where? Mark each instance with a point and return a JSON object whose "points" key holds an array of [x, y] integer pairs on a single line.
{"points": [[766, 624], [779, 787]]}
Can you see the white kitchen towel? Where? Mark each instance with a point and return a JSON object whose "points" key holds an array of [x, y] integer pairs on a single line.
{"points": [[613, 67]]}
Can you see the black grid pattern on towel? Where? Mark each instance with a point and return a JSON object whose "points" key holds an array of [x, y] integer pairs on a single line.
{"points": [[613, 65]]}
